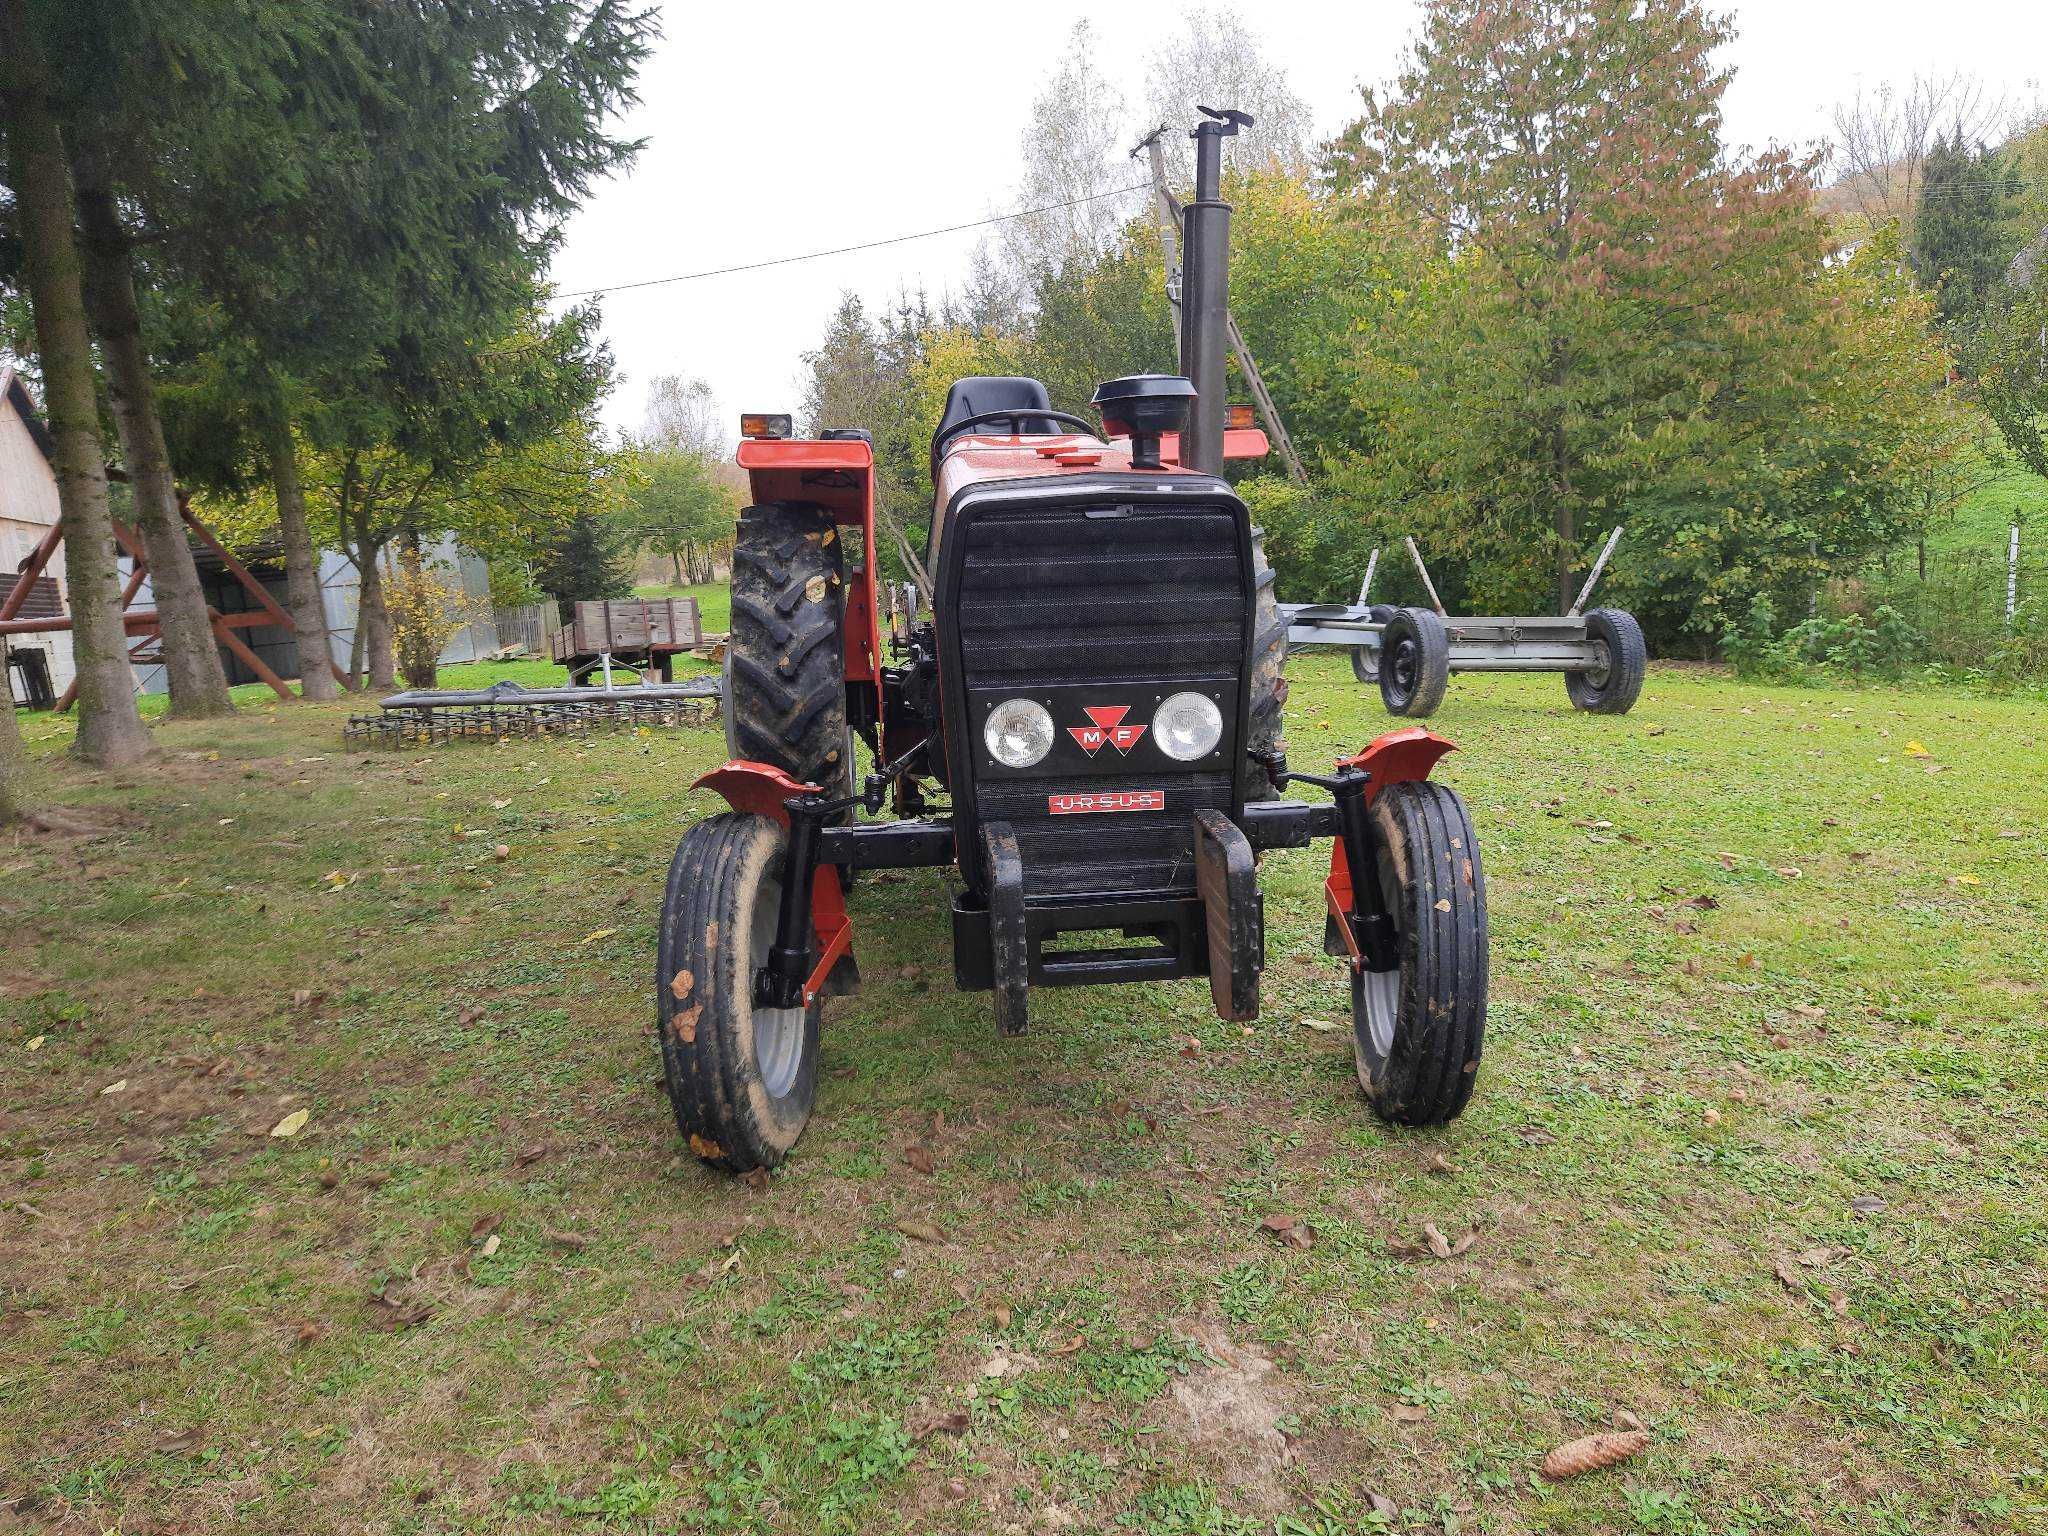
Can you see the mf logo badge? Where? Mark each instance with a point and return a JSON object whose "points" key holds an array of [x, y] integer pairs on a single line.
{"points": [[1108, 727]]}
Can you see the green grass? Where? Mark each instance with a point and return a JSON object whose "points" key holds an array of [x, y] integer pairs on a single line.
{"points": [[714, 602], [1758, 1154]]}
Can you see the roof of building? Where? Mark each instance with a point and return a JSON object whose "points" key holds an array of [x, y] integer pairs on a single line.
{"points": [[16, 394]]}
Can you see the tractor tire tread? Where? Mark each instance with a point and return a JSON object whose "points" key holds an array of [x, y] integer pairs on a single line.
{"points": [[1429, 1074], [1266, 676], [785, 673], [706, 918]]}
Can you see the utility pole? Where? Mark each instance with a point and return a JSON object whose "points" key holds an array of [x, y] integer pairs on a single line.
{"points": [[1167, 213]]}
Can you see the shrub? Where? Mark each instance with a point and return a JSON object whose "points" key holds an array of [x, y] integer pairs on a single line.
{"points": [[1883, 645]]}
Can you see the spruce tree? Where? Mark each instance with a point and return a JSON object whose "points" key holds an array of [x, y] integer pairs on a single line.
{"points": [[1962, 228]]}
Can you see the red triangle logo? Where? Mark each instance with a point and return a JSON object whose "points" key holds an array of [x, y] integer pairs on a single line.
{"points": [[1106, 715], [1091, 737]]}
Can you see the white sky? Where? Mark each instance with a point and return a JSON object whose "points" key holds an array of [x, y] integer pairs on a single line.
{"points": [[788, 126]]}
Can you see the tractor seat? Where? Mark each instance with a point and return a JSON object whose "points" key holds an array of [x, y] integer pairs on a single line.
{"points": [[970, 397]]}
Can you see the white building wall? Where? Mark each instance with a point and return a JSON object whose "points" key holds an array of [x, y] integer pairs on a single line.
{"points": [[28, 510]]}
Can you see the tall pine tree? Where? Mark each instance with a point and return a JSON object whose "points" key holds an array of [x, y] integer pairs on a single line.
{"points": [[1962, 230]]}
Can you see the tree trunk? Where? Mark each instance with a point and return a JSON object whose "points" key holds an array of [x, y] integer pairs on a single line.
{"points": [[13, 759], [1561, 483], [675, 560], [110, 731], [374, 619], [199, 687], [301, 559]]}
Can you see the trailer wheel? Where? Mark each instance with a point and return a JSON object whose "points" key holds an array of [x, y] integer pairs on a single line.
{"points": [[1415, 663], [1268, 679], [785, 660], [741, 1078], [1416, 1032], [1365, 664], [1612, 685]]}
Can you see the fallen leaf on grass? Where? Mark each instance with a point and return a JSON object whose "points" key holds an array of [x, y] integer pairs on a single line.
{"points": [[575, 1242], [919, 1156], [754, 1180], [178, 1442], [120, 1087], [1072, 1346], [1868, 1205], [484, 1226], [490, 1246], [1964, 880], [1788, 872], [37, 1043], [1914, 749], [1408, 1413], [1376, 1501], [1820, 1258], [1322, 1026], [924, 1426], [1593, 1452], [526, 1156], [292, 1123], [1789, 1277], [307, 1333], [1440, 1165], [1292, 1233], [917, 1227], [593, 936], [390, 1316]]}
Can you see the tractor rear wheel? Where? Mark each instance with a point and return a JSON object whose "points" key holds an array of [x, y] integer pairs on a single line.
{"points": [[741, 1077], [1615, 680], [1415, 663], [785, 660], [1416, 1032], [1267, 676]]}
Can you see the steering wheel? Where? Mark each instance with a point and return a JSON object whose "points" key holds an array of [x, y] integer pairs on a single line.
{"points": [[1015, 418]]}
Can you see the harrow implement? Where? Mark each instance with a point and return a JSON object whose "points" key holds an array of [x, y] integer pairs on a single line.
{"points": [[431, 716]]}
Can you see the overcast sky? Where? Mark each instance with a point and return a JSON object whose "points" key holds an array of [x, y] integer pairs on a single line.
{"points": [[779, 128]]}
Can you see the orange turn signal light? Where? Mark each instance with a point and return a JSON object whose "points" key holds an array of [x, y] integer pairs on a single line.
{"points": [[759, 425], [1238, 417]]}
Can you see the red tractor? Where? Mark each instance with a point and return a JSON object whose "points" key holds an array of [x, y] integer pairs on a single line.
{"points": [[1097, 689]]}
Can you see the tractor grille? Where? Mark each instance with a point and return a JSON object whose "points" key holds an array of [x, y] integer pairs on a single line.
{"points": [[1053, 595]]}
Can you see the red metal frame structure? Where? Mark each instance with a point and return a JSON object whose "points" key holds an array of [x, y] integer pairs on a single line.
{"points": [[142, 623]]}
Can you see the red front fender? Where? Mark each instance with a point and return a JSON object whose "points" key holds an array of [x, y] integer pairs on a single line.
{"points": [[1397, 757], [759, 789]]}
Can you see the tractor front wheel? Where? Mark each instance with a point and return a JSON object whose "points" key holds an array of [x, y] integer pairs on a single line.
{"points": [[1416, 1031], [741, 1077]]}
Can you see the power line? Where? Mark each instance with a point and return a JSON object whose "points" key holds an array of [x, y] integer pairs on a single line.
{"points": [[866, 245]]}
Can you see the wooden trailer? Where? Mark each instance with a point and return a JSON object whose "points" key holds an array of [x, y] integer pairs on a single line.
{"points": [[643, 633]]}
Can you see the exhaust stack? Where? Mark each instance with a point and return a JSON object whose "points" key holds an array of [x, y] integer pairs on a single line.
{"points": [[1205, 290]]}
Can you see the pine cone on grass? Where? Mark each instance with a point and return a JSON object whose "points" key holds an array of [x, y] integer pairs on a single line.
{"points": [[1590, 1453]]}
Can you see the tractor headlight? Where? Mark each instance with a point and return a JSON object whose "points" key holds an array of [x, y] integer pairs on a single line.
{"points": [[1187, 726], [1018, 733]]}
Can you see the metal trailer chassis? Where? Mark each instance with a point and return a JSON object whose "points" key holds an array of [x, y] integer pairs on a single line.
{"points": [[1411, 652]]}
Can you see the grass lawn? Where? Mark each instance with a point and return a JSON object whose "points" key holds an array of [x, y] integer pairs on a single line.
{"points": [[714, 602], [1758, 1155]]}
